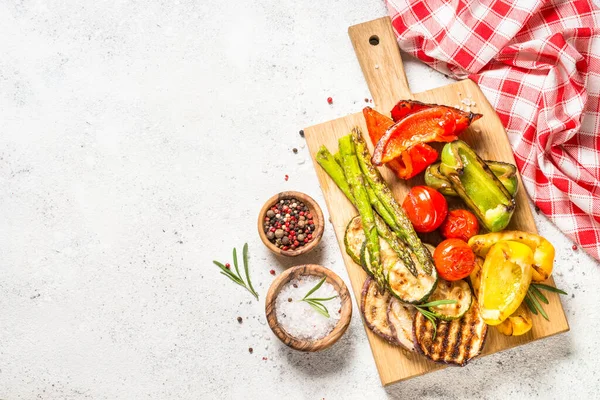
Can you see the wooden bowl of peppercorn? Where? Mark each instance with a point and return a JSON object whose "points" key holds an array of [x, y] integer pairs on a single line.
{"points": [[290, 224]]}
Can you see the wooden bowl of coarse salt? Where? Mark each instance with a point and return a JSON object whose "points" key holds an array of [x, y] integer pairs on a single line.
{"points": [[295, 321]]}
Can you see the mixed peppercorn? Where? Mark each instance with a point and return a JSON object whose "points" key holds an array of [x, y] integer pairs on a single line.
{"points": [[289, 224]]}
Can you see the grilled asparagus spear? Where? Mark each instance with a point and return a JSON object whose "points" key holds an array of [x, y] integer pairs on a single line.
{"points": [[329, 163], [356, 182], [404, 228], [383, 219], [332, 164]]}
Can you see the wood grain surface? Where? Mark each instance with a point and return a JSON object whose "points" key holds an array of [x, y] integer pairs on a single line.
{"points": [[382, 68]]}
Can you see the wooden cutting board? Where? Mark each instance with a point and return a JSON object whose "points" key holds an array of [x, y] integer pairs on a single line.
{"points": [[379, 58]]}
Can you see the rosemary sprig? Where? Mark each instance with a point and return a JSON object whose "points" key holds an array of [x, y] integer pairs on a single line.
{"points": [[237, 277], [431, 316], [534, 296], [317, 303]]}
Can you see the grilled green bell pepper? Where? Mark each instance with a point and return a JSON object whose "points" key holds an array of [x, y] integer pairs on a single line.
{"points": [[505, 172], [477, 186]]}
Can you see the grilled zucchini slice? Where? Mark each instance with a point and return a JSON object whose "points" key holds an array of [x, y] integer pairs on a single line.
{"points": [[404, 285], [456, 341], [365, 261], [374, 307], [354, 238], [456, 290], [400, 282], [400, 318]]}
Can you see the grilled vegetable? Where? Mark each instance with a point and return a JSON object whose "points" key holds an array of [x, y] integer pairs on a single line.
{"points": [[357, 187], [426, 208], [456, 341], [454, 259], [436, 180], [543, 251], [404, 228], [518, 323], [374, 306], [459, 224], [354, 238], [327, 161], [477, 186], [505, 278], [412, 161], [402, 251], [475, 276], [400, 319], [407, 107], [456, 290], [435, 124], [381, 210], [400, 282], [505, 172]]}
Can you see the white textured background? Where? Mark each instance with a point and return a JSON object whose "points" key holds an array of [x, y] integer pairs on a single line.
{"points": [[138, 141]]}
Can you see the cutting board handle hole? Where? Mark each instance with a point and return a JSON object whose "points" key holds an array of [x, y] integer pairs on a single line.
{"points": [[374, 40]]}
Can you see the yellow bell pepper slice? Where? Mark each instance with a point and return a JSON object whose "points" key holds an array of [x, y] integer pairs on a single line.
{"points": [[543, 251], [518, 323], [505, 278], [475, 276]]}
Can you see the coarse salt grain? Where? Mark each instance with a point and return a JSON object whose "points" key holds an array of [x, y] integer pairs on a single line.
{"points": [[468, 102], [297, 317]]}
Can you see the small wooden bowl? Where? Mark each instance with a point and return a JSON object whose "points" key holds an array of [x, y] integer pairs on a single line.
{"points": [[302, 344], [313, 208]]}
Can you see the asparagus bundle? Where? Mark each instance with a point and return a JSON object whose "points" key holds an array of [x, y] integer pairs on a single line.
{"points": [[356, 182], [383, 219], [402, 225]]}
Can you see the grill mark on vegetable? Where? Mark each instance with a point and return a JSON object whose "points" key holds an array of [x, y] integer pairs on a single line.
{"points": [[420, 321], [467, 331], [475, 337], [456, 347], [435, 349], [454, 328], [457, 342], [445, 335], [469, 342]]}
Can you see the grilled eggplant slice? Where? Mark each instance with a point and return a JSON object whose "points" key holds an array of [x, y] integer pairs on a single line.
{"points": [[456, 290], [374, 306], [354, 238], [456, 341], [400, 318]]}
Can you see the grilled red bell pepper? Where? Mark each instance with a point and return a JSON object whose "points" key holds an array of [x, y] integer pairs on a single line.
{"points": [[406, 107], [433, 124], [411, 162]]}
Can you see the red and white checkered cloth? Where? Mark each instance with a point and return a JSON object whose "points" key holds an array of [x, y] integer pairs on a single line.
{"points": [[538, 63]]}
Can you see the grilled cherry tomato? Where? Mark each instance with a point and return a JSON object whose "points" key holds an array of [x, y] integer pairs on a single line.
{"points": [[454, 259], [426, 208], [460, 224]]}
